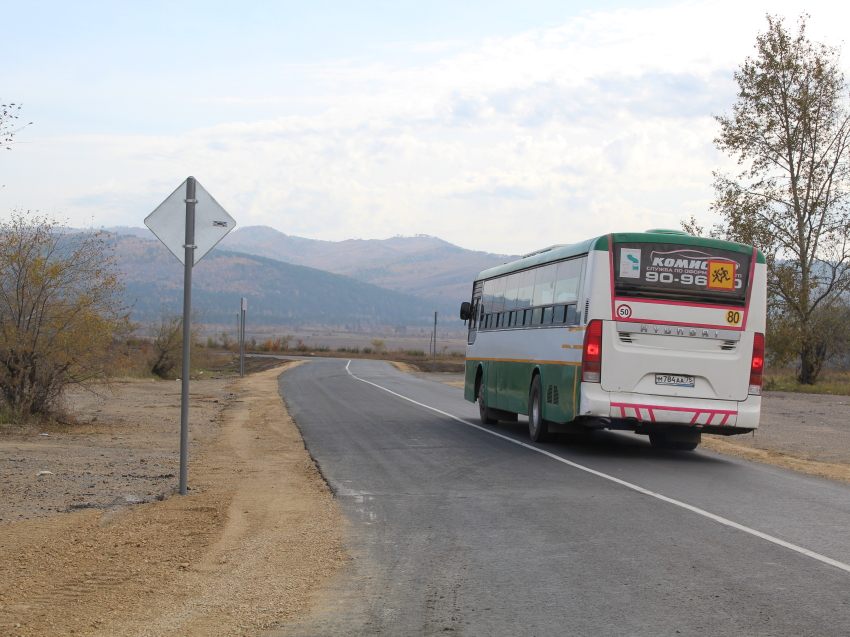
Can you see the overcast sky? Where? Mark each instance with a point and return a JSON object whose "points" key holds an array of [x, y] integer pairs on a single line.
{"points": [[502, 126]]}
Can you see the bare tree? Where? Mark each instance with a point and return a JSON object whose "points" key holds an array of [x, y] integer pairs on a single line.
{"points": [[9, 115], [790, 132], [61, 306], [167, 342]]}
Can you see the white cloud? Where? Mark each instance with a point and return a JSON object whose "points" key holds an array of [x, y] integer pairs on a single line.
{"points": [[547, 137]]}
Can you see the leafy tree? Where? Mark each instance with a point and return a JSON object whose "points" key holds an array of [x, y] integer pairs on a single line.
{"points": [[61, 308], [790, 130]]}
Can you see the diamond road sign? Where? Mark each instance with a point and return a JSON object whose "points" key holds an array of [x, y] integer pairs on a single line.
{"points": [[168, 222]]}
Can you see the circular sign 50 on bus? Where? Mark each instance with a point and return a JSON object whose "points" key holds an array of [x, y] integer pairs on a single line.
{"points": [[624, 311]]}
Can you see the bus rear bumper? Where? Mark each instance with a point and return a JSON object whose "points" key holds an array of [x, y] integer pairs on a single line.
{"points": [[647, 409]]}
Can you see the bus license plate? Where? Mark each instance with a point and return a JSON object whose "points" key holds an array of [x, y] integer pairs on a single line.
{"points": [[674, 379]]}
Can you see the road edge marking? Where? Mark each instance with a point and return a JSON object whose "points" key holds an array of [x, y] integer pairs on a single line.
{"points": [[633, 487]]}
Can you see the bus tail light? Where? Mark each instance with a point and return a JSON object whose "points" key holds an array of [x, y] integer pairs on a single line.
{"points": [[757, 366], [591, 356]]}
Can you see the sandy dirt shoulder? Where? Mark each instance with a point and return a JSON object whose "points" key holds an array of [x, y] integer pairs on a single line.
{"points": [[244, 551]]}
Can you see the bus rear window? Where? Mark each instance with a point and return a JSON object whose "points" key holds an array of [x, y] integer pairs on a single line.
{"points": [[665, 271]]}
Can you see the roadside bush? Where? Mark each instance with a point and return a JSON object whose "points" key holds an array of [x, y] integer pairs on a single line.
{"points": [[62, 309]]}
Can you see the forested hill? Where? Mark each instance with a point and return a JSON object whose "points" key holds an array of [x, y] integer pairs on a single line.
{"points": [[423, 266], [278, 293]]}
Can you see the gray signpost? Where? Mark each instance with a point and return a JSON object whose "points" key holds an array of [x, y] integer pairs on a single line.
{"points": [[190, 223], [242, 313]]}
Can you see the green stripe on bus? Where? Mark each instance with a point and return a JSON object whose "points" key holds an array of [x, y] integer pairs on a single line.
{"points": [[506, 385]]}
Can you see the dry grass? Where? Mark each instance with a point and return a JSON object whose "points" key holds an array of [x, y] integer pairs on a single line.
{"points": [[831, 381]]}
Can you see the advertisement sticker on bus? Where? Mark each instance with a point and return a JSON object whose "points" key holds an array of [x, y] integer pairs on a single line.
{"points": [[630, 263], [678, 272]]}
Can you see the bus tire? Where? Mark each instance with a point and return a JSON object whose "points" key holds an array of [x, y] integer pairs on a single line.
{"points": [[538, 429], [659, 441], [686, 446], [483, 412]]}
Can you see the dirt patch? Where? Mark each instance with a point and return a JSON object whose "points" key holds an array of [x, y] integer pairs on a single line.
{"points": [[805, 432], [122, 451], [833, 470], [442, 367], [417, 369], [404, 367], [244, 552]]}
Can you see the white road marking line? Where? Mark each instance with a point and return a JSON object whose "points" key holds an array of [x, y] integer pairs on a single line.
{"points": [[634, 487]]}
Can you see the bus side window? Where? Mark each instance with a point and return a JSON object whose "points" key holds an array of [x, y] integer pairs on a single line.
{"points": [[547, 315], [572, 316], [560, 313], [487, 303], [499, 294], [567, 281], [511, 289], [544, 285], [516, 318], [526, 288], [536, 315]]}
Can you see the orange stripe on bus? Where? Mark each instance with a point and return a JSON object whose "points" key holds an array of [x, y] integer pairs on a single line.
{"points": [[515, 360]]}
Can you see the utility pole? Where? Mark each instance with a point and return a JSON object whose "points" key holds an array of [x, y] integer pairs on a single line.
{"points": [[435, 342]]}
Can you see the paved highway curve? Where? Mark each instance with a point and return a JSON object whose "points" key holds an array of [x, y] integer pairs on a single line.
{"points": [[458, 531]]}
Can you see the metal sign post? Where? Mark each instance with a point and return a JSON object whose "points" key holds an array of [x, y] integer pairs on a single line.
{"points": [[189, 238], [189, 260], [242, 337]]}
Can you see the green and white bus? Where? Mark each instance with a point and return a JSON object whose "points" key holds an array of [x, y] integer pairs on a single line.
{"points": [[659, 332]]}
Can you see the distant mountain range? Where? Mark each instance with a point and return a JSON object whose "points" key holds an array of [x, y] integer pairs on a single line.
{"points": [[278, 293], [422, 266]]}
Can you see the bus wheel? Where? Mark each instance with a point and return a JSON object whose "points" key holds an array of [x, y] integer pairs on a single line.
{"points": [[686, 446], [659, 441], [538, 429], [483, 412]]}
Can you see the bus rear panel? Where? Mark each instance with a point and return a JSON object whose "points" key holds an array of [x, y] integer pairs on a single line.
{"points": [[682, 329]]}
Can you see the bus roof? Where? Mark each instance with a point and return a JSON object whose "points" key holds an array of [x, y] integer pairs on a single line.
{"points": [[558, 252]]}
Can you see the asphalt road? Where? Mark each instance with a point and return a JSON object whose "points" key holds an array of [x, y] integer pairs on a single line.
{"points": [[454, 530]]}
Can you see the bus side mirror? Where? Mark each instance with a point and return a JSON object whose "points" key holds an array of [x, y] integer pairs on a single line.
{"points": [[465, 311]]}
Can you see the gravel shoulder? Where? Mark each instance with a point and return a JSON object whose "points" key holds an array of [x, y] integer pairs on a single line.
{"points": [[101, 546]]}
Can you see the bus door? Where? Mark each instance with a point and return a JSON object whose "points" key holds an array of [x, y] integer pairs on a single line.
{"points": [[476, 312]]}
